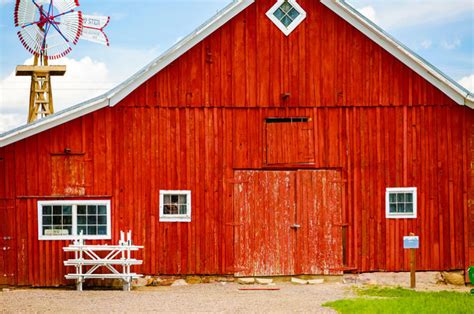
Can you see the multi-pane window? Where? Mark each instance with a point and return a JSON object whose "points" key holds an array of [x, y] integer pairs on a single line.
{"points": [[287, 15], [400, 202], [175, 205], [59, 220], [92, 219]]}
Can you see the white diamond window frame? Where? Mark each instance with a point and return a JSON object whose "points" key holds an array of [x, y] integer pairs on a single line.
{"points": [[292, 26]]}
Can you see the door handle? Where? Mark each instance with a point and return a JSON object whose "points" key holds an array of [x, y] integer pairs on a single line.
{"points": [[295, 226]]}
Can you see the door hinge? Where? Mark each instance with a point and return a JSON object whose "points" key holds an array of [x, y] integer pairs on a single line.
{"points": [[5, 248], [7, 238], [295, 226]]}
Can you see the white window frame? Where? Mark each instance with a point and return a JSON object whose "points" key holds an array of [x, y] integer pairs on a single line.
{"points": [[178, 217], [286, 30], [74, 204], [390, 215]]}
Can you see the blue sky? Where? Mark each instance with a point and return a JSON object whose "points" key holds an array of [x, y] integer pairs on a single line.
{"points": [[441, 31]]}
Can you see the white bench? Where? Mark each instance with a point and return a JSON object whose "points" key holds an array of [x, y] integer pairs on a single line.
{"points": [[87, 260]]}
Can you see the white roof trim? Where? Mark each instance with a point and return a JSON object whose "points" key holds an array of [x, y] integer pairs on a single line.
{"points": [[114, 96], [452, 89]]}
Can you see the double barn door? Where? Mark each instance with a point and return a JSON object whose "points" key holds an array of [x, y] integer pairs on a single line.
{"points": [[287, 222]]}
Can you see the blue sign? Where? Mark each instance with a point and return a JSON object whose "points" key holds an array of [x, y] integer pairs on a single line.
{"points": [[411, 242]]}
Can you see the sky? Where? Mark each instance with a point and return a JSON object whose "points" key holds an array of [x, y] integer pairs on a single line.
{"points": [[441, 31]]}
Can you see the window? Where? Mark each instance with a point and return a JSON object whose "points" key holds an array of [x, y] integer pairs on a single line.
{"points": [[63, 220], [400, 203], [287, 15], [175, 206]]}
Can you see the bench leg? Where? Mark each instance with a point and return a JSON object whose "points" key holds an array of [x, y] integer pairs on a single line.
{"points": [[79, 284], [126, 285]]}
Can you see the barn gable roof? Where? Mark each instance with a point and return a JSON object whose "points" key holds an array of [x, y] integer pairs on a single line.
{"points": [[448, 86]]}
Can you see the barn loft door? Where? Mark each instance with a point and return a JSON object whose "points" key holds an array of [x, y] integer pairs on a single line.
{"points": [[289, 141], [287, 222], [68, 175]]}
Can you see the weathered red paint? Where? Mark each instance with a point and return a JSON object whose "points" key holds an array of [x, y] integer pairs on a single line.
{"points": [[202, 118]]}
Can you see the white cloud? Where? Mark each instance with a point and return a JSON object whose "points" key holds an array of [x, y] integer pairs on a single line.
{"points": [[84, 79], [9, 121], [450, 45], [467, 82], [426, 44], [369, 12]]}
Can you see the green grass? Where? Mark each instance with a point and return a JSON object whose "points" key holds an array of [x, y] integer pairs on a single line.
{"points": [[398, 300]]}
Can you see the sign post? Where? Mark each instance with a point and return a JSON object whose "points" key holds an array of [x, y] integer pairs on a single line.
{"points": [[412, 242]]}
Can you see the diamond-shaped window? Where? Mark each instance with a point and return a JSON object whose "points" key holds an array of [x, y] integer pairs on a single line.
{"points": [[287, 15]]}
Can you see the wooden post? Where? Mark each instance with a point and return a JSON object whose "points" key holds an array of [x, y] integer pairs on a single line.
{"points": [[412, 266]]}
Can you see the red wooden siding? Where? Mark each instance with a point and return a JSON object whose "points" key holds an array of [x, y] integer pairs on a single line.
{"points": [[203, 117]]}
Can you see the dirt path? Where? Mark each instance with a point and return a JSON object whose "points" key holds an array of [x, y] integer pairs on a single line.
{"points": [[215, 297]]}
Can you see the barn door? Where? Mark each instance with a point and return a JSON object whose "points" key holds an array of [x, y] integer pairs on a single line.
{"points": [[265, 209], [7, 244], [287, 222], [319, 213]]}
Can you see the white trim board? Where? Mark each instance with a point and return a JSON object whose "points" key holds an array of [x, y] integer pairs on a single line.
{"points": [[341, 8]]}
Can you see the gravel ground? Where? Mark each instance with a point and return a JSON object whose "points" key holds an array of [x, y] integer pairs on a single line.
{"points": [[214, 297]]}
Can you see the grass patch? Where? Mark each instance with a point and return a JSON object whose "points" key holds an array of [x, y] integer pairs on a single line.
{"points": [[399, 300]]}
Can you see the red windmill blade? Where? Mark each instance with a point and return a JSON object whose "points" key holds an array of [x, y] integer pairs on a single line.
{"points": [[48, 27]]}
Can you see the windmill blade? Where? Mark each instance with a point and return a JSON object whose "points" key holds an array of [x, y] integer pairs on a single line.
{"points": [[70, 26], [26, 11], [65, 5], [32, 38]]}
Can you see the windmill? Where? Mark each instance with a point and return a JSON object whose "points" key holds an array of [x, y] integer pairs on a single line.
{"points": [[48, 29]]}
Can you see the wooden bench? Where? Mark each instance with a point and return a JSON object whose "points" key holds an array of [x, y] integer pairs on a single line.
{"points": [[87, 260]]}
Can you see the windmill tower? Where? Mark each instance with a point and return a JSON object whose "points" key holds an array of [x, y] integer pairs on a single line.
{"points": [[47, 29]]}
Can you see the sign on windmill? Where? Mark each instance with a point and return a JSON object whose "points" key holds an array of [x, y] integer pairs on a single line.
{"points": [[48, 29]]}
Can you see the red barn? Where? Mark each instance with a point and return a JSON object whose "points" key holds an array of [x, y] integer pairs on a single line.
{"points": [[280, 138]]}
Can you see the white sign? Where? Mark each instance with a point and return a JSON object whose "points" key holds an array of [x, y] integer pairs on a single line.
{"points": [[56, 232], [411, 242], [93, 29]]}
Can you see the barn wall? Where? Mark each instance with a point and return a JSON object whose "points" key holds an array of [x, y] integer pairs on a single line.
{"points": [[198, 148], [325, 62], [194, 123]]}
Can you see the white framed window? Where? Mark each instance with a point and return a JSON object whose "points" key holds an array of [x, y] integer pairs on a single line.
{"points": [[175, 205], [400, 202], [66, 219], [286, 15]]}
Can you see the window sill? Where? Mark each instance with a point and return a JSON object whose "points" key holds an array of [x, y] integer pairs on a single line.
{"points": [[175, 219], [74, 237]]}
